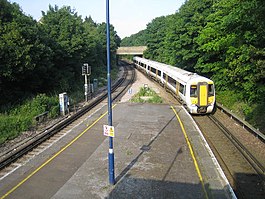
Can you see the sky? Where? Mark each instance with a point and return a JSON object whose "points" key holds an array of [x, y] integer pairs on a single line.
{"points": [[127, 16]]}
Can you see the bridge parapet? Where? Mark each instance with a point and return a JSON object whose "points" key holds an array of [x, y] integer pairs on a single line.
{"points": [[132, 50]]}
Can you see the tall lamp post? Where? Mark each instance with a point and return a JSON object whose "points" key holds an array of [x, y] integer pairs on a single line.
{"points": [[111, 151]]}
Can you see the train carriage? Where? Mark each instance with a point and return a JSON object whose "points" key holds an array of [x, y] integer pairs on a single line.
{"points": [[196, 92]]}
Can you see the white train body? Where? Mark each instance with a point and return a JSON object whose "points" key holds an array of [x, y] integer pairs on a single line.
{"points": [[196, 92]]}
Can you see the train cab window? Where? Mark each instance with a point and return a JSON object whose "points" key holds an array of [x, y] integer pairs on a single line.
{"points": [[193, 91], [159, 73], [210, 90]]}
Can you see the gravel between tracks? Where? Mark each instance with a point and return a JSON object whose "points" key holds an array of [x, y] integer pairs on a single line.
{"points": [[250, 141]]}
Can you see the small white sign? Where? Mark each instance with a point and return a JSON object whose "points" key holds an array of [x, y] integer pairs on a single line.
{"points": [[108, 130]]}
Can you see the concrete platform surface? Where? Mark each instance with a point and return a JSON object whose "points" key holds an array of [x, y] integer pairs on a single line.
{"points": [[152, 159]]}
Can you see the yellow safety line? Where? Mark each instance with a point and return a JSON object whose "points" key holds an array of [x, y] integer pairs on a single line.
{"points": [[58, 153], [192, 153]]}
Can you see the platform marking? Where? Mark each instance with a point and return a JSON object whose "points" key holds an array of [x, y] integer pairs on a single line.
{"points": [[227, 185], [54, 156], [192, 153]]}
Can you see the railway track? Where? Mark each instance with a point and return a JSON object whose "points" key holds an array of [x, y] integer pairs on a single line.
{"points": [[241, 164], [12, 159], [243, 150]]}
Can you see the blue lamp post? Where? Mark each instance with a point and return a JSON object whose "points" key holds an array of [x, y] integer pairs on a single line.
{"points": [[111, 151]]}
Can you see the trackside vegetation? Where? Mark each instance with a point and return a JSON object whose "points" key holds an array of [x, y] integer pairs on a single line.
{"points": [[22, 118], [223, 40], [147, 95], [40, 59]]}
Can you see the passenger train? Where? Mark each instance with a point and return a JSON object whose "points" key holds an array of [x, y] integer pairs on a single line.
{"points": [[195, 92]]}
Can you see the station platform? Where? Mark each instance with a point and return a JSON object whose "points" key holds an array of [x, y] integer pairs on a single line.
{"points": [[152, 159]]}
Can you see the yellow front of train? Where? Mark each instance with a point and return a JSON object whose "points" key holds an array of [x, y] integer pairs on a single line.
{"points": [[200, 97]]}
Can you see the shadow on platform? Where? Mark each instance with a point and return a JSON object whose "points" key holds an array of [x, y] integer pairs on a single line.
{"points": [[130, 187]]}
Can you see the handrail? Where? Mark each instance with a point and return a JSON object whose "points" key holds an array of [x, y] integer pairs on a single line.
{"points": [[244, 123]]}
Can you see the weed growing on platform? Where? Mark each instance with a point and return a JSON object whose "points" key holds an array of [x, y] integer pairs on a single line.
{"points": [[147, 95]]}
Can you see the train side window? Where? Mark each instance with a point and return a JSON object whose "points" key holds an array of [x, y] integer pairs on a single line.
{"points": [[172, 81], [153, 70], [181, 88], [193, 91], [210, 90], [159, 73]]}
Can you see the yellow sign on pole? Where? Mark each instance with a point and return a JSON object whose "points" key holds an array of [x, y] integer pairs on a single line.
{"points": [[108, 131]]}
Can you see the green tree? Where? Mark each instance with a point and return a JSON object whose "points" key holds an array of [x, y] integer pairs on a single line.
{"points": [[156, 31], [65, 29], [138, 39], [189, 21], [24, 56], [232, 46], [114, 41]]}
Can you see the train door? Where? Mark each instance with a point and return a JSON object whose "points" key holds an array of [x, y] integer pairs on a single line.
{"points": [[203, 94], [177, 88], [165, 79]]}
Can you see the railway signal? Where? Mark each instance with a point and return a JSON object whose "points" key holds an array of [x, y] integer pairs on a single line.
{"points": [[86, 71]]}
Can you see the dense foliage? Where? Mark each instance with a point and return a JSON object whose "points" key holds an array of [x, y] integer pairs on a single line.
{"points": [[22, 118], [224, 40], [138, 39], [46, 56]]}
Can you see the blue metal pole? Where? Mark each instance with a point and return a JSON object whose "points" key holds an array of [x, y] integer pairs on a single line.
{"points": [[111, 151]]}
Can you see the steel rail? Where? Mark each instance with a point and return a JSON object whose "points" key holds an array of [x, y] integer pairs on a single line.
{"points": [[132, 79], [258, 167], [222, 163]]}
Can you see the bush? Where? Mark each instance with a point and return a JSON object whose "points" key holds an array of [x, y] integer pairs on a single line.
{"points": [[21, 118], [251, 112], [256, 116]]}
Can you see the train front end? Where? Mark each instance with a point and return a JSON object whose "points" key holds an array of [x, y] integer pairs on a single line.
{"points": [[201, 97]]}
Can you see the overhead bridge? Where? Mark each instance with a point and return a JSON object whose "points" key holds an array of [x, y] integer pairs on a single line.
{"points": [[132, 50]]}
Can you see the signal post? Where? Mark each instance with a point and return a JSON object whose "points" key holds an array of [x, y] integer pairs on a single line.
{"points": [[86, 71]]}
